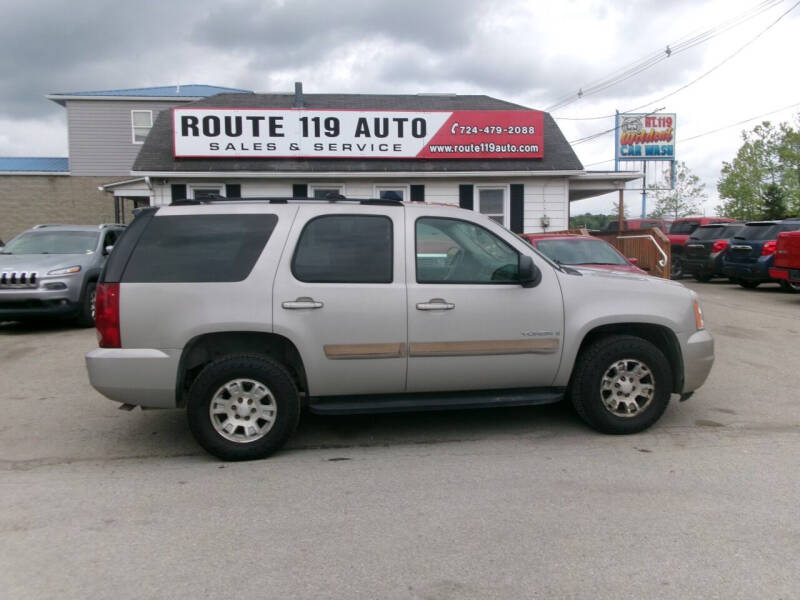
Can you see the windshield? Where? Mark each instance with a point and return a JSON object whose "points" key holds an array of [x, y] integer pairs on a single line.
{"points": [[709, 232], [758, 231], [580, 252], [53, 242]]}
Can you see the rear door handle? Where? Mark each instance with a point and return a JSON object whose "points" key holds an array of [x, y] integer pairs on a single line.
{"points": [[436, 304], [303, 302]]}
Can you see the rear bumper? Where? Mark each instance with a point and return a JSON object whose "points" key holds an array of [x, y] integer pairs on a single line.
{"points": [[747, 271], [711, 265], [790, 275], [138, 376], [698, 358]]}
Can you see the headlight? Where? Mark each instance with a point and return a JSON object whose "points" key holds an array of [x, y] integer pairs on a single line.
{"points": [[698, 315], [65, 271]]}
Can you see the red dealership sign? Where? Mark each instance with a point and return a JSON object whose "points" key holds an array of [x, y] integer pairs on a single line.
{"points": [[310, 133]]}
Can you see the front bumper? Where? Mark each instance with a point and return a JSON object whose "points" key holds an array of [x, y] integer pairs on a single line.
{"points": [[138, 376], [698, 358], [19, 302]]}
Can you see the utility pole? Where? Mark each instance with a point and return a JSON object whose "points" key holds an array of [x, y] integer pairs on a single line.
{"points": [[644, 191]]}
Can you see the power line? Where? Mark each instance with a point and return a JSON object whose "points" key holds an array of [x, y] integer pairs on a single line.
{"points": [[718, 129], [651, 60], [683, 87]]}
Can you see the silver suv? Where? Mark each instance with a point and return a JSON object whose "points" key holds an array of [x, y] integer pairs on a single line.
{"points": [[244, 311], [52, 271]]}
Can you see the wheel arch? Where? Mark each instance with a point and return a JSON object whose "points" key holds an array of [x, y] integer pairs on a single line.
{"points": [[660, 336], [205, 348]]}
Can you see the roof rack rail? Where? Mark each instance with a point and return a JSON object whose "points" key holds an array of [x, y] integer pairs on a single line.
{"points": [[102, 225], [43, 225], [331, 198]]}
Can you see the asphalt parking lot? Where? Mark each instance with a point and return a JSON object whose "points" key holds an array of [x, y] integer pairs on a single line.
{"points": [[503, 503]]}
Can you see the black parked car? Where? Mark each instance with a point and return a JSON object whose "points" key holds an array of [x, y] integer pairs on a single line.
{"points": [[706, 247]]}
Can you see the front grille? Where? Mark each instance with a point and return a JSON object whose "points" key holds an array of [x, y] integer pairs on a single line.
{"points": [[19, 279]]}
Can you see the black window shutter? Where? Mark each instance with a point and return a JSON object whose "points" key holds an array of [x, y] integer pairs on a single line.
{"points": [[465, 195], [233, 190], [417, 192], [517, 216], [300, 190], [178, 191]]}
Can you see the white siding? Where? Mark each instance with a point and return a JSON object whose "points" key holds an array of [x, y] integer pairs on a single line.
{"points": [[542, 196]]}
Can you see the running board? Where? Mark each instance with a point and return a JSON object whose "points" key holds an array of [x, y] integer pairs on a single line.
{"points": [[389, 403]]}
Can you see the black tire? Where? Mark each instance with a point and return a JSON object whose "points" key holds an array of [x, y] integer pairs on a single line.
{"points": [[86, 315], [703, 277], [789, 287], [676, 268], [256, 367], [586, 391], [747, 284]]}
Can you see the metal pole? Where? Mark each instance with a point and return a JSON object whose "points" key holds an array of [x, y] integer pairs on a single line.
{"points": [[644, 191], [621, 211]]}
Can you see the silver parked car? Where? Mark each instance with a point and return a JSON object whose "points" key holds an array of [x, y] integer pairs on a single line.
{"points": [[241, 312], [52, 271]]}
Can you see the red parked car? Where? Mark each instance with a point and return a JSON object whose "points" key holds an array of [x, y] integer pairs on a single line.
{"points": [[787, 259], [577, 250], [678, 235]]}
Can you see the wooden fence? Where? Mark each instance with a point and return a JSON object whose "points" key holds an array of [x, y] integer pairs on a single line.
{"points": [[650, 247]]}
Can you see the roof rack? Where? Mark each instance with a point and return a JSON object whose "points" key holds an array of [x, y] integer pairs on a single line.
{"points": [[332, 198], [102, 225], [43, 225]]}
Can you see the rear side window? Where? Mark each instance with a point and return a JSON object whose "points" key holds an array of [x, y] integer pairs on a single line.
{"points": [[199, 248], [345, 249]]}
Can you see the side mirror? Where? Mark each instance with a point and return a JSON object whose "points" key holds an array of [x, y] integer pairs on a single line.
{"points": [[107, 250], [633, 260], [529, 273]]}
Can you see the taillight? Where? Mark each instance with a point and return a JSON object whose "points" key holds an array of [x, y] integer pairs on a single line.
{"points": [[106, 315], [769, 247], [719, 246]]}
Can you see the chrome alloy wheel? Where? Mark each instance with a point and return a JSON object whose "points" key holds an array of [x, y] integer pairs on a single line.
{"points": [[93, 303], [243, 410], [627, 388]]}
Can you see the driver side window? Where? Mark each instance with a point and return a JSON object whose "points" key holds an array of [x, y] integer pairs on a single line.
{"points": [[454, 251]]}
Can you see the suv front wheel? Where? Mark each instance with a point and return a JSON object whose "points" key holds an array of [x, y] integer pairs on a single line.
{"points": [[621, 384], [243, 407]]}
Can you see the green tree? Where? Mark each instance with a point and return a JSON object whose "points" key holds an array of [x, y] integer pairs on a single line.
{"points": [[763, 179], [684, 199], [774, 203], [589, 221]]}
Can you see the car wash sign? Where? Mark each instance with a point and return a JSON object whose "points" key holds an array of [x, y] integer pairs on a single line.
{"points": [[648, 136], [302, 133]]}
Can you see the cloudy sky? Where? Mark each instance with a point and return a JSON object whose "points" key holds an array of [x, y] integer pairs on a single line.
{"points": [[536, 53]]}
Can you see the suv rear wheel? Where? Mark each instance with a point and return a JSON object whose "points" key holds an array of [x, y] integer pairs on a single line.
{"points": [[243, 407], [621, 384]]}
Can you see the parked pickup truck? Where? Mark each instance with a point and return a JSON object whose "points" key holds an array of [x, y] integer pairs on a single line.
{"points": [[242, 312], [787, 260]]}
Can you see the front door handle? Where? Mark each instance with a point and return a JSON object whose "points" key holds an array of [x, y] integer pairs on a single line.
{"points": [[436, 304], [302, 302]]}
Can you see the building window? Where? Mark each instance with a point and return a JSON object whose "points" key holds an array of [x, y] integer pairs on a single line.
{"points": [[493, 202], [391, 192], [320, 192], [206, 191], [141, 121]]}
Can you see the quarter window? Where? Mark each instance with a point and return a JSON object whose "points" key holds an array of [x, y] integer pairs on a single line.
{"points": [[142, 122], [453, 251], [345, 249]]}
